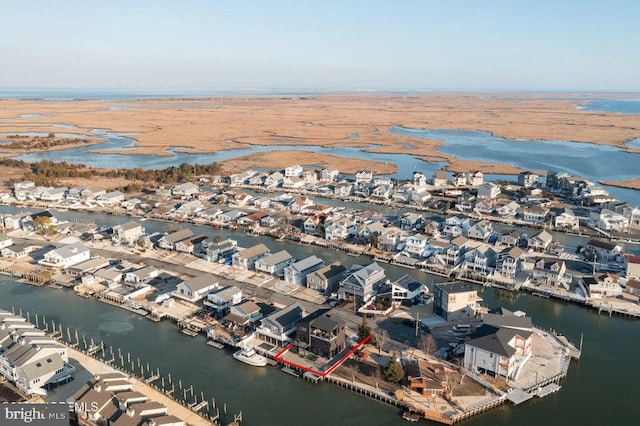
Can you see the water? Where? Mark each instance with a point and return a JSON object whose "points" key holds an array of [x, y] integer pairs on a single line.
{"points": [[621, 106], [594, 162]]}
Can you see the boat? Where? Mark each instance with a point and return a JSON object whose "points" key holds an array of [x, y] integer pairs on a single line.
{"points": [[249, 356]]}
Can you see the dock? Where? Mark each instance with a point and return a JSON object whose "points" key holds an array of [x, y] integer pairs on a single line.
{"points": [[291, 371], [518, 396], [548, 390], [215, 344], [188, 332]]}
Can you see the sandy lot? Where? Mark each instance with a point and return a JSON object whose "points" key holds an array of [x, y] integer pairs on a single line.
{"points": [[344, 120]]}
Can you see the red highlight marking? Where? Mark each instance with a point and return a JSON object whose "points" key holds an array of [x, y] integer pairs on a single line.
{"points": [[330, 370]]}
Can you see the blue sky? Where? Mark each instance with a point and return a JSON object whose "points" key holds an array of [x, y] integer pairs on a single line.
{"points": [[394, 44]]}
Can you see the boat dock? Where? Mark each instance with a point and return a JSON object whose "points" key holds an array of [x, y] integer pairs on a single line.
{"points": [[188, 332], [215, 344]]}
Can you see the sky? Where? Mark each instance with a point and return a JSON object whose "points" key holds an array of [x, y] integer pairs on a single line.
{"points": [[349, 44]]}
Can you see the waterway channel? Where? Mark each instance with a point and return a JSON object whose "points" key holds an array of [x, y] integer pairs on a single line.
{"points": [[598, 390]]}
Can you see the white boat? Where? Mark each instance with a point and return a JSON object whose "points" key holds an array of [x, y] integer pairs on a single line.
{"points": [[249, 356]]}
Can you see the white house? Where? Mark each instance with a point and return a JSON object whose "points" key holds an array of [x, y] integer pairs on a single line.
{"points": [[127, 233], [364, 176], [417, 246], [196, 288], [480, 230], [280, 325], [488, 190], [295, 170], [362, 283], [527, 179], [274, 264], [535, 214], [328, 174], [608, 220], [604, 251], [509, 210], [340, 229], [246, 259], [222, 300], [407, 290], [110, 198], [296, 273], [455, 226], [184, 189], [5, 240], [566, 219], [476, 178], [66, 256]]}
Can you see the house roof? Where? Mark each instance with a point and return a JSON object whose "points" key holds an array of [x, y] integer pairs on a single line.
{"points": [[253, 251], [276, 258], [248, 307], [456, 287], [70, 250], [200, 282], [331, 270], [176, 236], [495, 339], [18, 248], [408, 283], [633, 259], [602, 244], [323, 319], [544, 236], [227, 293], [634, 284], [287, 316], [128, 225], [459, 241], [306, 263], [508, 320]]}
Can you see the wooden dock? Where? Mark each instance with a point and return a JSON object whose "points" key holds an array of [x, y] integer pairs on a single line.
{"points": [[215, 344], [188, 332]]}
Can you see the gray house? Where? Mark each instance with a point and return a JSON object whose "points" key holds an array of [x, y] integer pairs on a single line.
{"points": [[326, 278], [274, 264], [297, 273], [246, 259]]}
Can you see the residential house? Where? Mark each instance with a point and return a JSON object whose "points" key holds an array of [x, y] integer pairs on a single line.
{"points": [[608, 220], [476, 178], [244, 313], [127, 233], [90, 193], [417, 246], [419, 179], [392, 239], [382, 192], [258, 180], [252, 220], [420, 196], [230, 216], [280, 325], [21, 189], [17, 251], [466, 202], [314, 225], [509, 263], [371, 229], [453, 253], [550, 272], [262, 202], [455, 301], [633, 287], [459, 179], [141, 276], [186, 189], [527, 179], [196, 288], [535, 214], [604, 251], [188, 209], [499, 352], [53, 194], [410, 221], [540, 241], [190, 245], [242, 178], [440, 179], [479, 261], [246, 259], [328, 174], [565, 219], [274, 264], [274, 180], [300, 204], [66, 256], [633, 266], [215, 249], [603, 285], [110, 198], [168, 242], [297, 273], [361, 284], [509, 210], [5, 240], [426, 378], [480, 230], [321, 333], [407, 290], [343, 190], [513, 238], [295, 170], [340, 229], [326, 278], [364, 177], [293, 182], [488, 190], [455, 226], [221, 301]]}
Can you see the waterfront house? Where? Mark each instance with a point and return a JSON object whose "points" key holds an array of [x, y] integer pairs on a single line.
{"points": [[214, 249], [371, 229], [603, 285], [280, 325], [310, 176], [66, 256], [168, 242], [417, 246], [535, 214], [633, 266], [527, 179], [196, 288], [420, 196], [90, 193], [230, 216], [426, 378], [190, 245], [252, 220], [242, 178], [382, 192], [453, 253], [274, 264], [246, 259], [608, 220], [314, 225], [243, 199], [480, 230], [295, 170], [362, 282], [340, 229], [439, 179], [209, 214], [364, 177], [221, 301], [509, 263], [186, 189], [343, 190], [407, 290], [455, 226], [488, 191], [5, 240], [485, 206], [551, 272], [510, 209], [141, 276], [540, 241], [293, 182], [328, 174], [321, 333], [392, 239], [419, 180], [13, 221], [296, 273], [17, 251], [565, 218], [127, 233], [432, 228], [633, 287], [110, 198], [274, 180], [244, 313], [402, 194], [20, 189], [300, 204], [459, 179], [262, 202], [188, 209], [475, 178], [513, 238], [497, 351], [410, 221], [258, 179], [604, 251], [465, 203], [455, 301], [272, 220], [111, 276], [479, 260], [53, 194], [326, 278], [28, 222]]}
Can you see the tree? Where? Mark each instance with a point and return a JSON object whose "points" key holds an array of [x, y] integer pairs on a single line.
{"points": [[373, 240], [363, 329], [352, 370], [394, 371], [382, 337], [428, 344], [43, 226]]}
